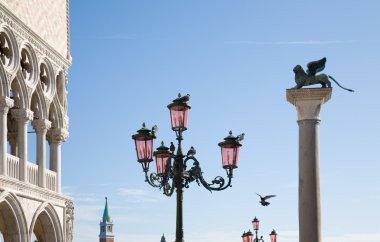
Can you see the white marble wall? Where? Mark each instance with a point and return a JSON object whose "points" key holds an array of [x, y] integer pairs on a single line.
{"points": [[47, 18]]}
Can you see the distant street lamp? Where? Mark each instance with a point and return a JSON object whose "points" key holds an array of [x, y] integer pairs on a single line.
{"points": [[273, 236], [171, 168], [248, 236]]}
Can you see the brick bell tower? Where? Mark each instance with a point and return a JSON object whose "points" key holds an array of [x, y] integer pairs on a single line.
{"points": [[106, 226]]}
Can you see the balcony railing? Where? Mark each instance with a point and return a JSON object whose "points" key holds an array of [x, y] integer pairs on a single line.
{"points": [[13, 167], [51, 178], [13, 170], [32, 173]]}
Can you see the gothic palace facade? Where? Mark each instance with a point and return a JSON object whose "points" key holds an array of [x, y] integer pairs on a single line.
{"points": [[34, 60]]}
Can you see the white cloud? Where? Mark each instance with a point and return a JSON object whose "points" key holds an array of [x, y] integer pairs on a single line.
{"points": [[368, 237], [297, 42], [85, 197], [138, 195]]}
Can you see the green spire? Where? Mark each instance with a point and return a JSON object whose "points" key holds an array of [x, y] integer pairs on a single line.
{"points": [[163, 238], [106, 215]]}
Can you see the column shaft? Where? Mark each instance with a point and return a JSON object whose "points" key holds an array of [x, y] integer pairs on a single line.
{"points": [[41, 127], [308, 103], [309, 188], [12, 139], [56, 137], [55, 162], [5, 104], [22, 116]]}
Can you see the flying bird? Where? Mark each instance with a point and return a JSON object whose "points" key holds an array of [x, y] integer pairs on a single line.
{"points": [[263, 199], [191, 152]]}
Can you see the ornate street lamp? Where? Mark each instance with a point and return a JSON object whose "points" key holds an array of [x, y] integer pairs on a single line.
{"points": [[172, 172], [248, 237]]}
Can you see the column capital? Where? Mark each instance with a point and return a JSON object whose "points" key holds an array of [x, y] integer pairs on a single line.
{"points": [[41, 125], [308, 101], [5, 104], [22, 115], [57, 135]]}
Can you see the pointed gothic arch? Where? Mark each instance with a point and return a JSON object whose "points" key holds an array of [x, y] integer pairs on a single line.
{"points": [[28, 69], [38, 104], [20, 92], [55, 114], [4, 83], [61, 90], [45, 224], [12, 219], [47, 78]]}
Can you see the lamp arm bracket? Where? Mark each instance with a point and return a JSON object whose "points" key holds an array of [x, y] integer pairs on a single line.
{"points": [[196, 173], [169, 189], [152, 179]]}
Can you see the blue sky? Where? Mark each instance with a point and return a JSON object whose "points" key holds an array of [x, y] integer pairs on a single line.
{"points": [[235, 59]]}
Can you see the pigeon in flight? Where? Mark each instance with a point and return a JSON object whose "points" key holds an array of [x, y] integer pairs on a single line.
{"points": [[263, 199]]}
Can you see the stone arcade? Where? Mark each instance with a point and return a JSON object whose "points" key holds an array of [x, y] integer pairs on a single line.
{"points": [[35, 57]]}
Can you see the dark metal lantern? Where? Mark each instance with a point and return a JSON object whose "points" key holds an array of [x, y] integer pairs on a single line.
{"points": [[247, 237], [144, 145], [273, 236], [162, 156], [255, 224], [230, 148], [179, 113]]}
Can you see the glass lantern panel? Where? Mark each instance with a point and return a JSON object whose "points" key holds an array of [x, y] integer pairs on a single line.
{"points": [[179, 117], [244, 238], [256, 225], [273, 237], [230, 156], [144, 149], [250, 238], [161, 163]]}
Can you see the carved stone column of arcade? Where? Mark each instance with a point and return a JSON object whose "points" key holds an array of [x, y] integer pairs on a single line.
{"points": [[12, 138], [56, 137], [5, 104], [308, 103], [41, 126], [22, 116]]}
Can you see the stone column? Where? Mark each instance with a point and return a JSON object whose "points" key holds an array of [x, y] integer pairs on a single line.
{"points": [[308, 103], [41, 126], [22, 116], [5, 104], [12, 138], [56, 137]]}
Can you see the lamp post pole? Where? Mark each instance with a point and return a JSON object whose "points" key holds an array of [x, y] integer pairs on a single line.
{"points": [[172, 171], [179, 189]]}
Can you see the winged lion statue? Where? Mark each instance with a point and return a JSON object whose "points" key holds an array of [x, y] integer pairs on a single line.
{"points": [[309, 77]]}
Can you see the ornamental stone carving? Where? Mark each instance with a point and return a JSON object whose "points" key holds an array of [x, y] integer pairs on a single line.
{"points": [[22, 115], [69, 221], [5, 104], [41, 125], [57, 135]]}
